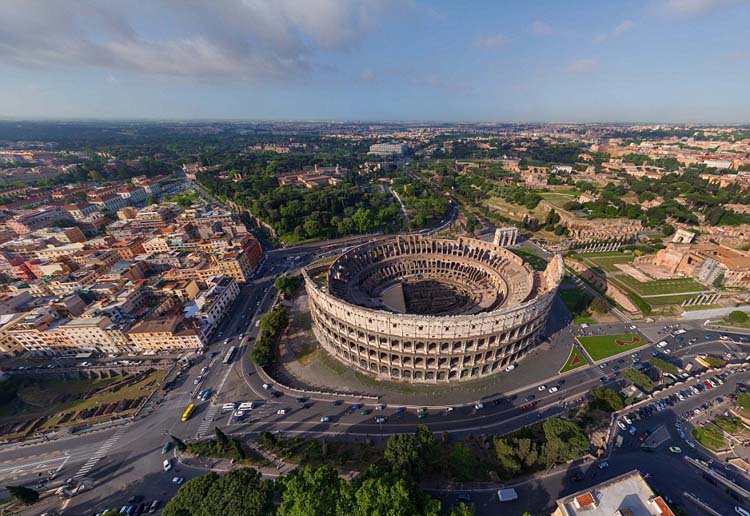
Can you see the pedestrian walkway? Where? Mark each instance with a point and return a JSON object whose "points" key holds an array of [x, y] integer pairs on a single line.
{"points": [[208, 420], [101, 452]]}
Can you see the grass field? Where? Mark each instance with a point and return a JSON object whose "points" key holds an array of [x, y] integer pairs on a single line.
{"points": [[600, 347], [710, 437], [730, 425], [607, 263], [575, 360], [665, 286], [537, 262]]}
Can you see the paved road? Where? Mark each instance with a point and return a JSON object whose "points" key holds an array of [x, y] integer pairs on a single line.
{"points": [[122, 461]]}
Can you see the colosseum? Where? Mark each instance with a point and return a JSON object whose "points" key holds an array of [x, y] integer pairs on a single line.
{"points": [[423, 310]]}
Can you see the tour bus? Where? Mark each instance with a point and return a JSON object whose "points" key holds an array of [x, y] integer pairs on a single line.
{"points": [[229, 355], [188, 412]]}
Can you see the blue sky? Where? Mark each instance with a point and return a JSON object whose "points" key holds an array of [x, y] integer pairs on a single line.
{"points": [[533, 60]]}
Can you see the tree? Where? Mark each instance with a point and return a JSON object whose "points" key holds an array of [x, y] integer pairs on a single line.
{"points": [[737, 316], [565, 441], [178, 443], [402, 455], [288, 285], [23, 494], [240, 492], [639, 379], [606, 400], [506, 455], [314, 492], [599, 305], [463, 509], [391, 496], [221, 437]]}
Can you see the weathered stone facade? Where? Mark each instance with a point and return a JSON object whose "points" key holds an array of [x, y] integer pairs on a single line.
{"points": [[498, 309]]}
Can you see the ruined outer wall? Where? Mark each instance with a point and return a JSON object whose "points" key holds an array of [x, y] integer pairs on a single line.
{"points": [[418, 348]]}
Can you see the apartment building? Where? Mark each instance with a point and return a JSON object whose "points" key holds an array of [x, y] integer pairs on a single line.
{"points": [[171, 333]]}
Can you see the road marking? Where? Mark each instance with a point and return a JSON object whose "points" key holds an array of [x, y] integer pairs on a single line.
{"points": [[208, 420], [45, 464], [101, 452]]}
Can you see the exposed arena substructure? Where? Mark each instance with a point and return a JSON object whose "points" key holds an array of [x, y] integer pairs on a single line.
{"points": [[423, 310]]}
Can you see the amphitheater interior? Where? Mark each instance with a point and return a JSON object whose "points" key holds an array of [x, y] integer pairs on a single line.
{"points": [[417, 309]]}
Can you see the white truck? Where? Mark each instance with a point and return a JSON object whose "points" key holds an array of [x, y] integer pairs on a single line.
{"points": [[507, 495]]}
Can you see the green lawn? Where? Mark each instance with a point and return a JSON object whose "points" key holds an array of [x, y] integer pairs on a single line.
{"points": [[537, 262], [710, 437], [600, 347], [575, 360], [743, 400], [730, 425], [607, 261], [665, 286]]}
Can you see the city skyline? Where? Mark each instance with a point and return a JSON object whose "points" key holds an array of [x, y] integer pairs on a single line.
{"points": [[670, 61]]}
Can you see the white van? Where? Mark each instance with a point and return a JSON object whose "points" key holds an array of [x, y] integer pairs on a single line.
{"points": [[226, 407], [247, 405], [661, 344], [167, 465]]}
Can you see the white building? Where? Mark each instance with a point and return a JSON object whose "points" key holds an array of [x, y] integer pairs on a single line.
{"points": [[388, 149], [211, 306]]}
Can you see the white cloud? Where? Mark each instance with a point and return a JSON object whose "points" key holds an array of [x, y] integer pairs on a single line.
{"points": [[582, 66], [367, 76], [242, 39], [620, 29], [488, 42], [541, 28], [694, 7], [624, 26]]}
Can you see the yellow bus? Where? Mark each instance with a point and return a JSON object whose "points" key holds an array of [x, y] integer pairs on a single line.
{"points": [[188, 412]]}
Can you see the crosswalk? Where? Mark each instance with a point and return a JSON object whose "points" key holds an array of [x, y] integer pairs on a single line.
{"points": [[208, 420], [101, 452]]}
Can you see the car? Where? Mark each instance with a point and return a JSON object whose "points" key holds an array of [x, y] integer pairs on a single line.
{"points": [[177, 480], [479, 405], [675, 449], [577, 476], [622, 425], [553, 390], [742, 512], [198, 380], [337, 402], [530, 398], [301, 400], [281, 412], [602, 366], [627, 419], [400, 410], [380, 407], [510, 368], [205, 395], [365, 412], [603, 465], [541, 388], [239, 414], [632, 430], [381, 419], [356, 406], [325, 419], [166, 465], [422, 415], [167, 446], [204, 370], [266, 386], [154, 505], [448, 410]]}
